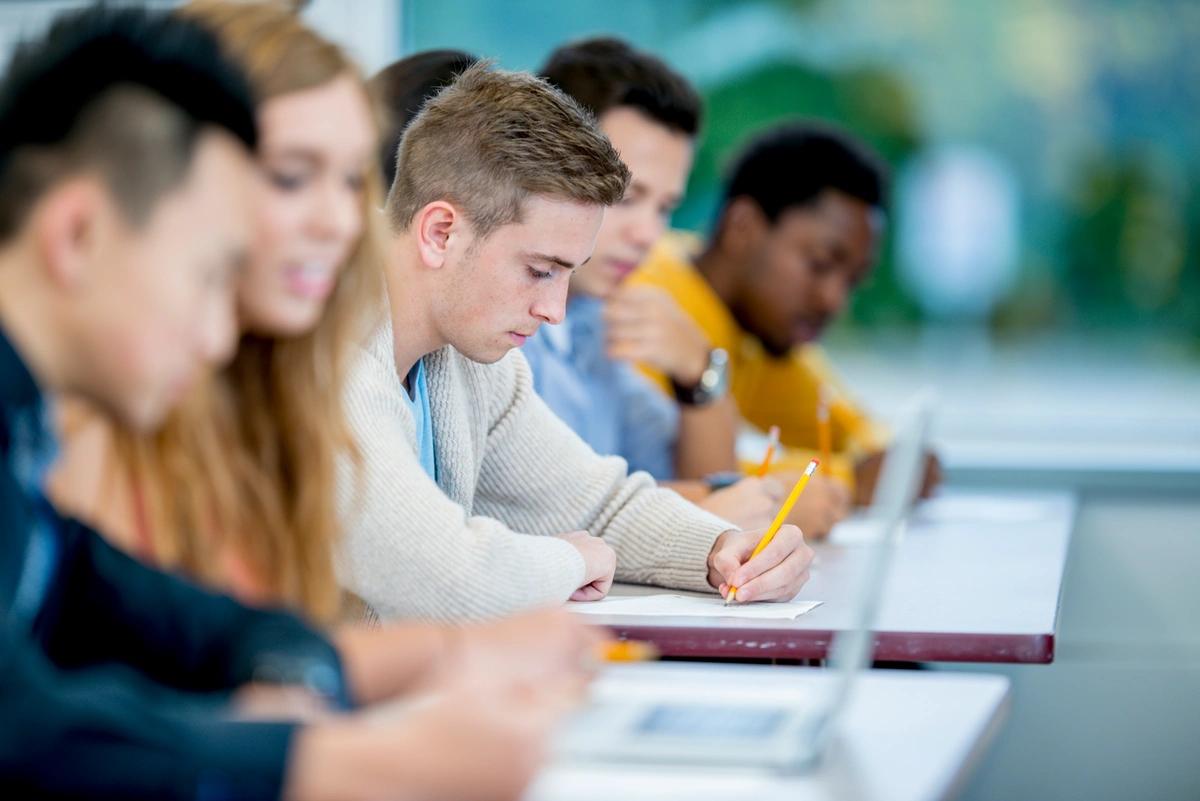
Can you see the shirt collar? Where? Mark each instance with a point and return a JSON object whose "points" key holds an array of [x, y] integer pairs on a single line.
{"points": [[18, 389], [26, 435], [558, 337], [584, 316]]}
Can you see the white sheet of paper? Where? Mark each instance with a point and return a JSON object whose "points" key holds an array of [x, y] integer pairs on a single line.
{"points": [[690, 606]]}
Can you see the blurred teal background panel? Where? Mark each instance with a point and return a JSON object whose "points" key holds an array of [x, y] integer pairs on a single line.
{"points": [[1070, 125]]}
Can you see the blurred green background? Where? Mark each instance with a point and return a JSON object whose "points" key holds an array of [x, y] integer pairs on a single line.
{"points": [[1044, 154]]}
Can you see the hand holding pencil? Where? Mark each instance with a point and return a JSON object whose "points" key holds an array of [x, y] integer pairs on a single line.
{"points": [[764, 565]]}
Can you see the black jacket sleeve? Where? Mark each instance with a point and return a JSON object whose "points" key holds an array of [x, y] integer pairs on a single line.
{"points": [[106, 733], [106, 607]]}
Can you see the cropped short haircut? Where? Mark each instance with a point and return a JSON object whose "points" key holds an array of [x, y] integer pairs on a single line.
{"points": [[604, 73], [401, 89], [123, 92], [494, 138], [792, 164]]}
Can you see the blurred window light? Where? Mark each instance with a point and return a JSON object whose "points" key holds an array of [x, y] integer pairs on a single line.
{"points": [[957, 238]]}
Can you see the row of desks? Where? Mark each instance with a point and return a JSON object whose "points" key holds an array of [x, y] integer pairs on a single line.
{"points": [[977, 577], [906, 736], [982, 590]]}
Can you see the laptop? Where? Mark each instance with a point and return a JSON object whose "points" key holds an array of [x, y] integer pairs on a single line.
{"points": [[634, 717]]}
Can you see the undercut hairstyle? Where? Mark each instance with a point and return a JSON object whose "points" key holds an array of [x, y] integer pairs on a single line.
{"points": [[494, 138], [603, 73], [123, 92], [401, 89], [792, 164]]}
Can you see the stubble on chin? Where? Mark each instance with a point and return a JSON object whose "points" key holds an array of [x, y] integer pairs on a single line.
{"points": [[487, 354]]}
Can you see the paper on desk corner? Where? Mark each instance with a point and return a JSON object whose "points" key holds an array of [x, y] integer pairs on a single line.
{"points": [[667, 605]]}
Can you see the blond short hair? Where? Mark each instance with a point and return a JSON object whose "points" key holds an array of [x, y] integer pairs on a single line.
{"points": [[492, 139]]}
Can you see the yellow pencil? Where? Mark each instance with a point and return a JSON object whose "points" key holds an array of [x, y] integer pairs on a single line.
{"points": [[626, 651], [784, 511], [772, 444], [824, 433]]}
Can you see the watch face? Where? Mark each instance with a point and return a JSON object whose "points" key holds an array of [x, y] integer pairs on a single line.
{"points": [[712, 384], [712, 380]]}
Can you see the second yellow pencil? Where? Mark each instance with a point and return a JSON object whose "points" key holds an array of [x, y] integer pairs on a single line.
{"points": [[824, 430], [772, 444]]}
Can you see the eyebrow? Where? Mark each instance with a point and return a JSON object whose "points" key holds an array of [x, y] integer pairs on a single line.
{"points": [[309, 156], [674, 199], [294, 153], [555, 260]]}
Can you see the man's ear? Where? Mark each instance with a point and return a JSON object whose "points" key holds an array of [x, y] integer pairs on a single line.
{"points": [[437, 227], [742, 226], [68, 224]]}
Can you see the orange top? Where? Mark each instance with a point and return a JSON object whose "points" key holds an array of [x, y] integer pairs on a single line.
{"points": [[768, 390]]}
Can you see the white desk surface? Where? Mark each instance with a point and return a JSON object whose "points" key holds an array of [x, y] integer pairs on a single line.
{"points": [[906, 736], [978, 583]]}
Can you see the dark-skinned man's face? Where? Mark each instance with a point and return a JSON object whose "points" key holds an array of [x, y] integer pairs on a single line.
{"points": [[799, 272]]}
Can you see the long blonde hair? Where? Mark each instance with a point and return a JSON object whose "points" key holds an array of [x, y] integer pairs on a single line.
{"points": [[249, 462]]}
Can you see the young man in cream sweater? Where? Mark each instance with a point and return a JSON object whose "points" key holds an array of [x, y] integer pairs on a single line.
{"points": [[472, 498]]}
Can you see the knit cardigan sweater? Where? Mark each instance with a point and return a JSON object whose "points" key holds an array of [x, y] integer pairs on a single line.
{"points": [[477, 543]]}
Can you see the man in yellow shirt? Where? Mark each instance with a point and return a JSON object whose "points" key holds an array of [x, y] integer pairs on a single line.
{"points": [[799, 229]]}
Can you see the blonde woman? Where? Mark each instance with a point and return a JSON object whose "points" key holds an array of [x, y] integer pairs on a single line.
{"points": [[237, 490]]}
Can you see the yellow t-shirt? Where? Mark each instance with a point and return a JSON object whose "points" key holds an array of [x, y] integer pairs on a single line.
{"points": [[781, 391]]}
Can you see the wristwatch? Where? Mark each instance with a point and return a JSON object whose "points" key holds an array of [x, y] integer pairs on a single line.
{"points": [[316, 672], [713, 383], [722, 479]]}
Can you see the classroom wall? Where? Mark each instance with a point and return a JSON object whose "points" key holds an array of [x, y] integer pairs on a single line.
{"points": [[369, 29], [1044, 153]]}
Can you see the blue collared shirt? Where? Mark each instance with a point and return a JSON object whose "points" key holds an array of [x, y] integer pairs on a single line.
{"points": [[32, 450], [608, 403], [418, 403]]}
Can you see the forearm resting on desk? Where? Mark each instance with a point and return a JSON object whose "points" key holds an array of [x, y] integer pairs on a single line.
{"points": [[382, 663], [471, 745]]}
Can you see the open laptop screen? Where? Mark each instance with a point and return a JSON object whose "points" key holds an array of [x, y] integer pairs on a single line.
{"points": [[694, 720]]}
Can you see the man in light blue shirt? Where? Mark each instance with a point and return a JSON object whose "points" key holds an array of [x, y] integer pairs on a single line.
{"points": [[584, 367], [608, 403]]}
